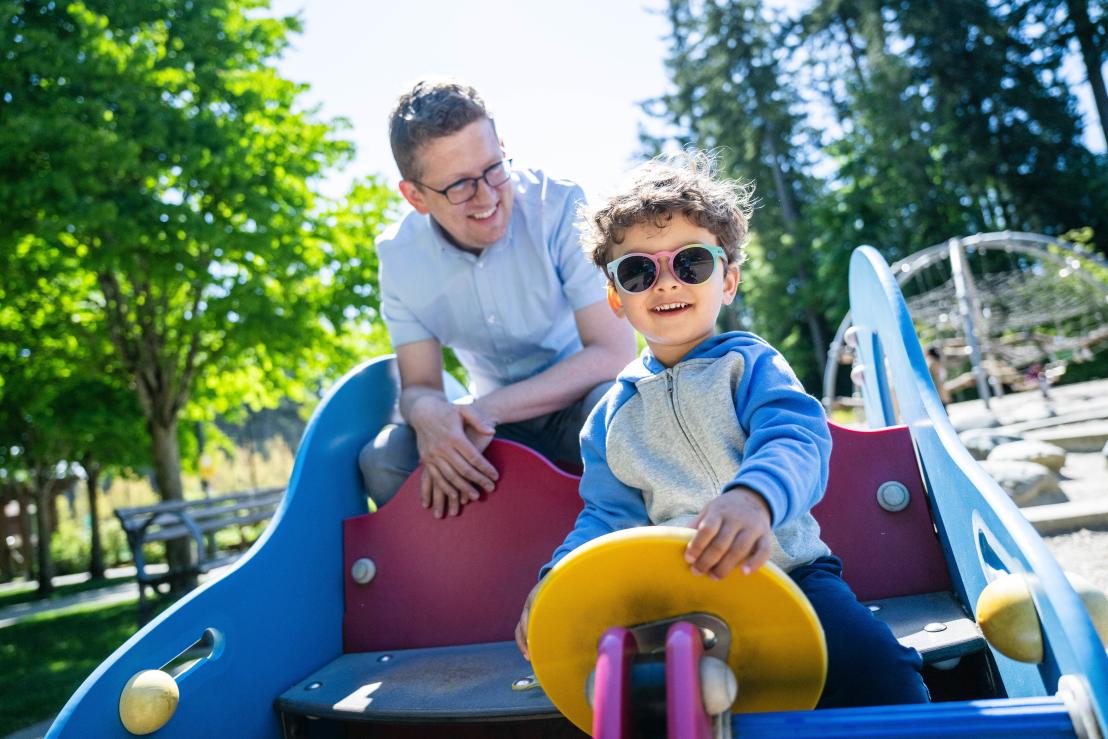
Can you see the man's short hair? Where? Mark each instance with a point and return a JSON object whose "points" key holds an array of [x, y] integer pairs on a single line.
{"points": [[430, 110], [684, 183]]}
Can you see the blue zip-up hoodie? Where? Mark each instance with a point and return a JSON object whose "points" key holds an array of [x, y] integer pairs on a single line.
{"points": [[665, 441]]}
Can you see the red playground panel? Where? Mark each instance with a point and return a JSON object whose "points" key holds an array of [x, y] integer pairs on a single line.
{"points": [[885, 554], [458, 580], [463, 580]]}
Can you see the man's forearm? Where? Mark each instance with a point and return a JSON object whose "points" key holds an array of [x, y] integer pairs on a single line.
{"points": [[556, 387]]}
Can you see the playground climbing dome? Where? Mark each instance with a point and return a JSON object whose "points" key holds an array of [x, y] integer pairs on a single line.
{"points": [[1001, 308]]}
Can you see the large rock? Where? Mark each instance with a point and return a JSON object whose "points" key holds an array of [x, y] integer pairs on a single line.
{"points": [[980, 442], [1029, 411], [1026, 483], [973, 415], [1039, 452]]}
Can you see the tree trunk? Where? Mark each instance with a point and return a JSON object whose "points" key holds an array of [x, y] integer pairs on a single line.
{"points": [[167, 475], [44, 489], [96, 556], [25, 544], [7, 572], [1093, 56]]}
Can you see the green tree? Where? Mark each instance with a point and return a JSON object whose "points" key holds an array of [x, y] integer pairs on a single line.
{"points": [[1077, 25], [727, 66], [955, 120], [37, 360], [155, 153]]}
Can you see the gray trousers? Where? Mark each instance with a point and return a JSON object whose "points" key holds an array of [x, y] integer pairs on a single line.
{"points": [[388, 460]]}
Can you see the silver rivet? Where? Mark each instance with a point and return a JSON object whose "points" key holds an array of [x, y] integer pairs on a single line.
{"points": [[525, 683], [385, 658], [313, 685], [363, 571], [892, 496], [934, 627]]}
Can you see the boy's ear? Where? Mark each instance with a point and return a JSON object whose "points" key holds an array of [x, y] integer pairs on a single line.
{"points": [[414, 196], [730, 283], [614, 302]]}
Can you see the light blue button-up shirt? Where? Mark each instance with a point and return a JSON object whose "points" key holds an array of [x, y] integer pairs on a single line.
{"points": [[507, 313]]}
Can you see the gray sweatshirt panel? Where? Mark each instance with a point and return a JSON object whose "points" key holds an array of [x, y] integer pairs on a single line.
{"points": [[678, 440]]}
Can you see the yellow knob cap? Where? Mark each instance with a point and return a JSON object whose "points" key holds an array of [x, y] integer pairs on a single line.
{"points": [[1008, 618], [148, 701], [1096, 603]]}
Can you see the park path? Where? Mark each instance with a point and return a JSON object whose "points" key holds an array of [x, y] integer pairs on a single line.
{"points": [[118, 592]]}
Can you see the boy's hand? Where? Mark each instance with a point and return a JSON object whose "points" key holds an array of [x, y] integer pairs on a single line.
{"points": [[732, 530], [521, 627]]}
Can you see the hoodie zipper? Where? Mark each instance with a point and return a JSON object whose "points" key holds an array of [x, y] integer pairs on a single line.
{"points": [[671, 381]]}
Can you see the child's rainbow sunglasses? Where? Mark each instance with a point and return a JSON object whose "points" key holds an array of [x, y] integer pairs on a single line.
{"points": [[691, 264]]}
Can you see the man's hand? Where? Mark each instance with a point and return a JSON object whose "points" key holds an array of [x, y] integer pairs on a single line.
{"points": [[450, 438], [521, 627], [732, 530]]}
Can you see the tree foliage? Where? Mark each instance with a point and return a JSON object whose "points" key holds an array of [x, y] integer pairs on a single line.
{"points": [[163, 176], [898, 124]]}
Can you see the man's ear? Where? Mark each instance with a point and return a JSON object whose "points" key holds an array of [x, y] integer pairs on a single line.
{"points": [[414, 196], [614, 302], [731, 283]]}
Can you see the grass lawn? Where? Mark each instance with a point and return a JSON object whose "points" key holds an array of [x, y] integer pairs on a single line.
{"points": [[46, 658]]}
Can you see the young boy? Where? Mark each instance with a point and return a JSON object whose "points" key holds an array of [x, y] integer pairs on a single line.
{"points": [[712, 431]]}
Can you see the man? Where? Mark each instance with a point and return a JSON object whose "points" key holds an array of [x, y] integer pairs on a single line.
{"points": [[489, 264]]}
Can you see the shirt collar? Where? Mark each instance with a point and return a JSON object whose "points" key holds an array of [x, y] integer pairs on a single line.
{"points": [[446, 246]]}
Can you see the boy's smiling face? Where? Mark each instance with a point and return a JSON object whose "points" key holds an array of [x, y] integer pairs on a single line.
{"points": [[672, 316]]}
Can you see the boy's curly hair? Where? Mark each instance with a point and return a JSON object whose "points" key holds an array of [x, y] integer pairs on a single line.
{"points": [[683, 183]]}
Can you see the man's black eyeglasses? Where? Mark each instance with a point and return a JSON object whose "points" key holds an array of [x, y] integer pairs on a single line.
{"points": [[466, 188]]}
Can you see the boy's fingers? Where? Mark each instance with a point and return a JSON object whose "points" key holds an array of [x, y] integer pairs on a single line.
{"points": [[758, 557], [706, 530], [742, 546], [717, 549]]}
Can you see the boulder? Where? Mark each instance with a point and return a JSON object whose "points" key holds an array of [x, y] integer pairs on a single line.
{"points": [[1039, 452], [971, 416], [980, 442], [1026, 483], [1029, 411]]}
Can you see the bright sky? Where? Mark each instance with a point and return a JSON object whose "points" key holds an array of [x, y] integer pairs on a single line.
{"points": [[563, 79]]}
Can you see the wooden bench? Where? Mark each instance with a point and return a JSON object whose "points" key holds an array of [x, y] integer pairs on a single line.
{"points": [[196, 520], [428, 639]]}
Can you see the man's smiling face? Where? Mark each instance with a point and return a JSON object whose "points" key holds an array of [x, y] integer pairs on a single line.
{"points": [[476, 223]]}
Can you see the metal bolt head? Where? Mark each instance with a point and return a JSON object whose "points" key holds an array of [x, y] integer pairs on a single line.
{"points": [[893, 496], [363, 571], [935, 627]]}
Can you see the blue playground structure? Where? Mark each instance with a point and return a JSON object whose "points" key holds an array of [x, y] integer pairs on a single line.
{"points": [[285, 643]]}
